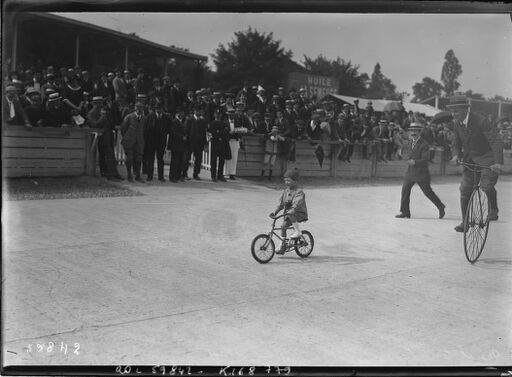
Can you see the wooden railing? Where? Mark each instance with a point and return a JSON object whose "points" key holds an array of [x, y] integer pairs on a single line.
{"points": [[68, 152], [48, 151]]}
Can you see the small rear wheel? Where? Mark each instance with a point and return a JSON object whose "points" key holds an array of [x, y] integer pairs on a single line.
{"points": [[263, 248], [304, 244]]}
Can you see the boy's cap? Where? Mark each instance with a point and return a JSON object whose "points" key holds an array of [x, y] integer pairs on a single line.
{"points": [[292, 174]]}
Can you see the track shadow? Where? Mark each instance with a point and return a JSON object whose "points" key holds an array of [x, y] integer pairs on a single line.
{"points": [[495, 263], [332, 259]]}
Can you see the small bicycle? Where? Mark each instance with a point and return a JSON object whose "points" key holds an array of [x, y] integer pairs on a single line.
{"points": [[476, 219], [263, 247]]}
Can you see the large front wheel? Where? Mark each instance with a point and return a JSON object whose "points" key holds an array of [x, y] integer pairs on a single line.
{"points": [[476, 225], [304, 244], [263, 248]]}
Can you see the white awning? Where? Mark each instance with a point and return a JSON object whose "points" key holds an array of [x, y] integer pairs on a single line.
{"points": [[378, 104]]}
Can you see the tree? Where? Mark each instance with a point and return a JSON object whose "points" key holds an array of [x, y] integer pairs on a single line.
{"points": [[426, 89], [381, 86], [500, 98], [254, 57], [351, 82], [450, 72]]}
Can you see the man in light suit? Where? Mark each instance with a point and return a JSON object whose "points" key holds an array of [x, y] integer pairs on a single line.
{"points": [[417, 172], [132, 130], [476, 141]]}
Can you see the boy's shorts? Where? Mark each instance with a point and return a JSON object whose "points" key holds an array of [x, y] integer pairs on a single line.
{"points": [[290, 219]]}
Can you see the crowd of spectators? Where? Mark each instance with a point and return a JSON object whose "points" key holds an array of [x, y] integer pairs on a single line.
{"points": [[65, 98]]}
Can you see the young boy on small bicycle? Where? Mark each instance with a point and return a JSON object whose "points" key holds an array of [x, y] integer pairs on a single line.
{"points": [[293, 201]]}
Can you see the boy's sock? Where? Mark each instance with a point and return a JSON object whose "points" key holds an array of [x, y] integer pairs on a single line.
{"points": [[296, 231]]}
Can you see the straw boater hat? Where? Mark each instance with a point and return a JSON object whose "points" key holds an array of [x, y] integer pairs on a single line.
{"points": [[97, 99], [54, 97], [458, 102], [414, 126], [31, 91]]}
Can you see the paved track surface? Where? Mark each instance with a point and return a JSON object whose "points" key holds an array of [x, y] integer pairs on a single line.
{"points": [[168, 278]]}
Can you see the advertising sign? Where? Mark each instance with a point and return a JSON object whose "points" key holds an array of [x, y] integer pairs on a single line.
{"points": [[315, 85]]}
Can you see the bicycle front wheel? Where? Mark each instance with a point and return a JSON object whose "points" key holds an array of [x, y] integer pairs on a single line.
{"points": [[304, 245], [476, 225], [263, 248]]}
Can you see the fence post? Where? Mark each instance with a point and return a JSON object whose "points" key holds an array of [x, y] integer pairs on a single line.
{"points": [[334, 160], [373, 170], [91, 151]]}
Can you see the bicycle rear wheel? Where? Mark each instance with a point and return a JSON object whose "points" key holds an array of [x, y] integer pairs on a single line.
{"points": [[263, 248], [304, 245], [476, 225]]}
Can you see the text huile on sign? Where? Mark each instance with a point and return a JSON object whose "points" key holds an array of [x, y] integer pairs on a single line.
{"points": [[315, 85]]}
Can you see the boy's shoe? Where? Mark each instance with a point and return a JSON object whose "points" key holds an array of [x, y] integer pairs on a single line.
{"points": [[281, 249], [295, 234]]}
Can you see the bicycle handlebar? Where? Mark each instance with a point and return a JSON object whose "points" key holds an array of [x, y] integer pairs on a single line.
{"points": [[279, 216], [474, 166]]}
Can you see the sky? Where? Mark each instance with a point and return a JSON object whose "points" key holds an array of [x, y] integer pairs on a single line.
{"points": [[408, 47]]}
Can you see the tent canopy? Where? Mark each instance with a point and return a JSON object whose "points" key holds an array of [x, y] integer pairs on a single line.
{"points": [[378, 104]]}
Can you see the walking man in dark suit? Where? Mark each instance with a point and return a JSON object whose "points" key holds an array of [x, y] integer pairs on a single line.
{"points": [[155, 139], [417, 172], [195, 127], [476, 141]]}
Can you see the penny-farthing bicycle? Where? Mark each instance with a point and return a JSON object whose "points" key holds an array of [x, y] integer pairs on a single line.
{"points": [[476, 219]]}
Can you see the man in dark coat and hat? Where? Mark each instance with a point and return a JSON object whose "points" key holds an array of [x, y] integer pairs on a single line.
{"points": [[177, 144], [156, 130], [476, 141], [417, 172], [219, 131], [195, 127]]}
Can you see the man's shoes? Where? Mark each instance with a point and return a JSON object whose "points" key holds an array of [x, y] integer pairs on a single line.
{"points": [[149, 179], [222, 179], [118, 177], [173, 180], [402, 215], [441, 211], [493, 216], [232, 177], [130, 179], [139, 179], [460, 228], [182, 179], [161, 179], [196, 177], [214, 179], [348, 159], [186, 178]]}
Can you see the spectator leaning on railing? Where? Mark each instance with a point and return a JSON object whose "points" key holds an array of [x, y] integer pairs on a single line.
{"points": [[12, 110]]}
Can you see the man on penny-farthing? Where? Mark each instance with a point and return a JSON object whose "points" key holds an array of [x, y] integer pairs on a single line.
{"points": [[476, 142]]}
